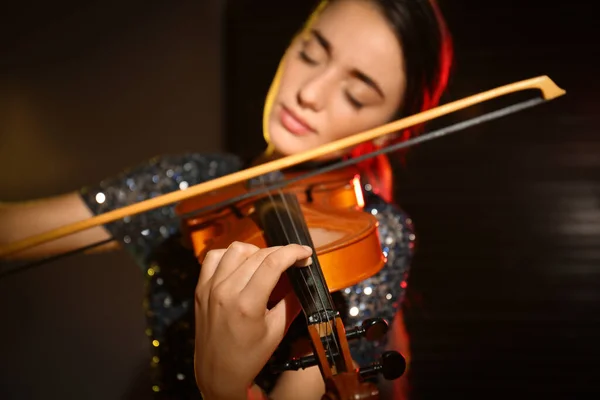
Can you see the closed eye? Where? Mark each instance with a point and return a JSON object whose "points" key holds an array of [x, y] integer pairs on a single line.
{"points": [[355, 103], [304, 57]]}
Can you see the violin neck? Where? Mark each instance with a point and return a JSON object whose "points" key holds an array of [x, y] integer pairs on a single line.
{"points": [[282, 221]]}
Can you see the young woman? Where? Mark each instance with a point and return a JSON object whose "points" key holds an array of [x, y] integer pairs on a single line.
{"points": [[355, 65]]}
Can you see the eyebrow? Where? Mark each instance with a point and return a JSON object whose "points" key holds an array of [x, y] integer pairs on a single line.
{"points": [[355, 72]]}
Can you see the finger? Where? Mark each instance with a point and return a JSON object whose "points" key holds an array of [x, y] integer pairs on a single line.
{"points": [[240, 277], [209, 265], [280, 317], [236, 254], [267, 275]]}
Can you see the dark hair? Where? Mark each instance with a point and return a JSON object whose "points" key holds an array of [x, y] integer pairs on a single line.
{"points": [[427, 49]]}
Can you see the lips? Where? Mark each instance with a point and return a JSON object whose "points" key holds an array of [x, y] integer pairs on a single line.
{"points": [[293, 123]]}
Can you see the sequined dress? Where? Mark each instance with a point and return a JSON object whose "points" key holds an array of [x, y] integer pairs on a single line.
{"points": [[171, 270]]}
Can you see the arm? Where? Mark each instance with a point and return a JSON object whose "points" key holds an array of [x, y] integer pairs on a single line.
{"points": [[20, 220], [152, 178], [286, 392], [299, 385]]}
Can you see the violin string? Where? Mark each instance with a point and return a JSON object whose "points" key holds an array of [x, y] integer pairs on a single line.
{"points": [[398, 146], [287, 238], [329, 323], [306, 285]]}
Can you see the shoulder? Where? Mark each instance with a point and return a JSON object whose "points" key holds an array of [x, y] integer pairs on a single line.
{"points": [[143, 233], [395, 224], [157, 176]]}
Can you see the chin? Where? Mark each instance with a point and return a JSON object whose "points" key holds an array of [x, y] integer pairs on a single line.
{"points": [[286, 143], [285, 148]]}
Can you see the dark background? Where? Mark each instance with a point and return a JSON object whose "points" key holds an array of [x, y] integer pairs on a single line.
{"points": [[503, 296]]}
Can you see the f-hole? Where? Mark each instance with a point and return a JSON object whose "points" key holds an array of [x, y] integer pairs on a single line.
{"points": [[308, 194]]}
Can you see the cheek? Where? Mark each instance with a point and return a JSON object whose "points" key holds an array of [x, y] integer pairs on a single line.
{"points": [[344, 120], [290, 78]]}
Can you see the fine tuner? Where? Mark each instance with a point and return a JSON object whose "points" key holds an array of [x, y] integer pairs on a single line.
{"points": [[391, 363]]}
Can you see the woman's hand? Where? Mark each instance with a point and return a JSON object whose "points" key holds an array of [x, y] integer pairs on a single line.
{"points": [[235, 332]]}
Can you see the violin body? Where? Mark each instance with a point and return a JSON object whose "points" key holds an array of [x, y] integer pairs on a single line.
{"points": [[346, 238]]}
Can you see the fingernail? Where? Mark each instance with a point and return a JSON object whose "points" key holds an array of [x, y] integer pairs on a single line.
{"points": [[304, 263], [308, 248]]}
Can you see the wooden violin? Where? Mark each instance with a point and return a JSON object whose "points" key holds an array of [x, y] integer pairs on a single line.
{"points": [[332, 208], [325, 213]]}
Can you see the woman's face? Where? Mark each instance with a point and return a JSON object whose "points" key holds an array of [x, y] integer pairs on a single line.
{"points": [[344, 77]]}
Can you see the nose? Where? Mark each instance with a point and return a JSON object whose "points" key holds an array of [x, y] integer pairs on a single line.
{"points": [[313, 93]]}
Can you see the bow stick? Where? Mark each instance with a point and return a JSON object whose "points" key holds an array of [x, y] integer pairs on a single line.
{"points": [[549, 91]]}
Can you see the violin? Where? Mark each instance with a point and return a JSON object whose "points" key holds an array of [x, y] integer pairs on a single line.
{"points": [[326, 213], [262, 206], [331, 205]]}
